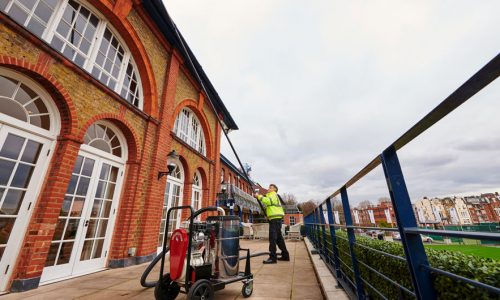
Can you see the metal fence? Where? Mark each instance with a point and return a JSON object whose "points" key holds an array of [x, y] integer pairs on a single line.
{"points": [[337, 249]]}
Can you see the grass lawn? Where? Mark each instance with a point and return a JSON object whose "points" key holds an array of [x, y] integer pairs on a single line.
{"points": [[477, 250]]}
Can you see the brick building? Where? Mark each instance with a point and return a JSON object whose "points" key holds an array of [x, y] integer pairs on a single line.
{"points": [[94, 95]]}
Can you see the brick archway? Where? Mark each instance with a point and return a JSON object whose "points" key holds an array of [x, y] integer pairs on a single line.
{"points": [[130, 135]]}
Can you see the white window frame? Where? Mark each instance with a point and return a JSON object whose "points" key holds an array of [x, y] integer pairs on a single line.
{"points": [[294, 221], [46, 137], [177, 182], [199, 189], [90, 59], [184, 130]]}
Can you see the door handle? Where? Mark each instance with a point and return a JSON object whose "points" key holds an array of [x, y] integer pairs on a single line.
{"points": [[86, 223]]}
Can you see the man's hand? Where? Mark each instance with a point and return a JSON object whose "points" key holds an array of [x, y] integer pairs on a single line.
{"points": [[256, 195]]}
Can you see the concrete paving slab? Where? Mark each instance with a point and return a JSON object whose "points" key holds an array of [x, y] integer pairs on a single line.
{"points": [[277, 281]]}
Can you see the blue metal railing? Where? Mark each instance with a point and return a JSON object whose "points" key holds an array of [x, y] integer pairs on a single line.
{"points": [[322, 233]]}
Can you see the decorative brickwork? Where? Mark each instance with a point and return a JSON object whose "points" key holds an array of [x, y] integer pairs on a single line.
{"points": [[81, 101]]}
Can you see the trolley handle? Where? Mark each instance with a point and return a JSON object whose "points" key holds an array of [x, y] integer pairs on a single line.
{"points": [[205, 209]]}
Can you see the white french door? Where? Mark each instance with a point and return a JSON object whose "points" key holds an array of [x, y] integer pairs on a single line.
{"points": [[23, 162], [84, 230], [173, 197]]}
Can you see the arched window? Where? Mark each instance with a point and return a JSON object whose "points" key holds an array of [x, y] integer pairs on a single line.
{"points": [[83, 36], [19, 101], [188, 128], [197, 191], [221, 175], [102, 137]]}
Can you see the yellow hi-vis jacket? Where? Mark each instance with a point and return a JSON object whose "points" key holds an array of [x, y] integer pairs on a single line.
{"points": [[273, 205]]}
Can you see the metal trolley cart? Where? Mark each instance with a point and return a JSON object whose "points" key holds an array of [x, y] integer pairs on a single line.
{"points": [[202, 259]]}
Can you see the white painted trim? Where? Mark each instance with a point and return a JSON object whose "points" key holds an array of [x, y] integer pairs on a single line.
{"points": [[32, 195], [55, 118]]}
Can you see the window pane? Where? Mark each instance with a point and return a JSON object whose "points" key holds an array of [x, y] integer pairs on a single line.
{"points": [[96, 207], [91, 229], [99, 193], [65, 207], [22, 177], [76, 209], [6, 168], [98, 249], [6, 225], [88, 166], [13, 109], [12, 146], [72, 185], [31, 152], [43, 12], [71, 229], [65, 253], [107, 208], [59, 229], [83, 186], [7, 86], [12, 202], [36, 27], [104, 172], [18, 14], [51, 258], [103, 225], [78, 164], [87, 250]]}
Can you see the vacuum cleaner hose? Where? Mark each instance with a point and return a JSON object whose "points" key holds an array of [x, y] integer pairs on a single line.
{"points": [[254, 255], [150, 284]]}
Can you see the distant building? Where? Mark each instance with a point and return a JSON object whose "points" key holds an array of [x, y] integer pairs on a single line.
{"points": [[477, 209], [235, 192]]}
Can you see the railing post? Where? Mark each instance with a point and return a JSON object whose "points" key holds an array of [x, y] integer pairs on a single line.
{"points": [[313, 229], [352, 239], [324, 249], [307, 223], [412, 243], [316, 229], [318, 234], [333, 237]]}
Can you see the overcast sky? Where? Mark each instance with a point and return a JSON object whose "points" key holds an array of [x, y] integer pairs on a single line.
{"points": [[319, 88]]}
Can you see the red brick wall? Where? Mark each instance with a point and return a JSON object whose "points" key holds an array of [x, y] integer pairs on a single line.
{"points": [[82, 100]]}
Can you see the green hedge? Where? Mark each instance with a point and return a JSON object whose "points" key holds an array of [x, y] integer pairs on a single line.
{"points": [[484, 270]]}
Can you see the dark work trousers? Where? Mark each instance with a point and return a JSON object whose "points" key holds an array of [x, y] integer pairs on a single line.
{"points": [[275, 237]]}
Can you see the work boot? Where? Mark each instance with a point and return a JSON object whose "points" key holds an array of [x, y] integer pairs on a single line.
{"points": [[269, 261], [284, 257]]}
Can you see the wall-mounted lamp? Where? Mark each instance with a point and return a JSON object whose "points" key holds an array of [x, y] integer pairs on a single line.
{"points": [[171, 166]]}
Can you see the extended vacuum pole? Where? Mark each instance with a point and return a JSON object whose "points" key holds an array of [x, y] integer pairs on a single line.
{"points": [[213, 107]]}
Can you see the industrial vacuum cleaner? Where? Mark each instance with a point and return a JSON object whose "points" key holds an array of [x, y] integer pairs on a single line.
{"points": [[203, 258]]}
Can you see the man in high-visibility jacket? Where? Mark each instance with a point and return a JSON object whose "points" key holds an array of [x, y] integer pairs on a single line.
{"points": [[275, 214]]}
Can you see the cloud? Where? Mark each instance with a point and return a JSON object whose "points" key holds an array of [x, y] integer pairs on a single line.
{"points": [[319, 89]]}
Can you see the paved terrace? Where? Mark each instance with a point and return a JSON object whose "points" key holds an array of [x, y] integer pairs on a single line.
{"points": [[286, 280]]}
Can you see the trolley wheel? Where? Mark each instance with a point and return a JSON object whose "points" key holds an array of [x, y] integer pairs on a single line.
{"points": [[166, 290], [247, 289], [201, 290]]}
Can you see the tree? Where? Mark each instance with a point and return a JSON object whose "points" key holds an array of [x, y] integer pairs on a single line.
{"points": [[307, 207], [289, 199], [337, 204], [365, 204]]}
